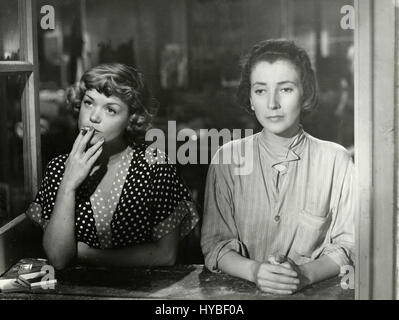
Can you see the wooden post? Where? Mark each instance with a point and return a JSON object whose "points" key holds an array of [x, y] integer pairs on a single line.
{"points": [[375, 148], [18, 238], [397, 142], [30, 97]]}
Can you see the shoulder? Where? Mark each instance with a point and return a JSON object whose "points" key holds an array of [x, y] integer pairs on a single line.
{"points": [[60, 159], [52, 178], [151, 159], [232, 158], [328, 149], [57, 163], [236, 143], [155, 168], [235, 148]]}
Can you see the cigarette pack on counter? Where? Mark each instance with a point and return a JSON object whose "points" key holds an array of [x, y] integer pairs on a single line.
{"points": [[36, 280], [28, 274], [11, 285]]}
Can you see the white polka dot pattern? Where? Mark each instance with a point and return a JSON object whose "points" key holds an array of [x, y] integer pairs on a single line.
{"points": [[147, 200], [185, 216], [104, 203], [34, 212]]}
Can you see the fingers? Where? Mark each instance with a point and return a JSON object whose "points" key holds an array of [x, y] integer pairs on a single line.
{"points": [[93, 149], [78, 139], [93, 159], [281, 258], [283, 270], [277, 286], [276, 291], [287, 265], [272, 260], [277, 273], [85, 140], [279, 278]]}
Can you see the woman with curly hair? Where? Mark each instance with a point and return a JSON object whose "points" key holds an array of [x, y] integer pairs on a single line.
{"points": [[290, 221], [112, 201]]}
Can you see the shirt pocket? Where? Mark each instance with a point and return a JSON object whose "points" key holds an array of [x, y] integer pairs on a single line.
{"points": [[310, 233]]}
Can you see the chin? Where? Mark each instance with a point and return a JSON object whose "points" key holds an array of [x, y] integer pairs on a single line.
{"points": [[279, 129], [276, 129], [280, 133]]}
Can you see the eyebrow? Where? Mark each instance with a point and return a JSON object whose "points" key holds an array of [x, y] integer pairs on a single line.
{"points": [[108, 104], [281, 82], [87, 95], [113, 104]]}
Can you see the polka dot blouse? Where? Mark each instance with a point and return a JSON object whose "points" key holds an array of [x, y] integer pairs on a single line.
{"points": [[147, 200]]}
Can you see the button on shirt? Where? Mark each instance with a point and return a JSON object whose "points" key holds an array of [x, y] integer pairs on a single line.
{"points": [[297, 200]]}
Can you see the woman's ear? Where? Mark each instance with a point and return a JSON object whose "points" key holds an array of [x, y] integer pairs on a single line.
{"points": [[251, 105], [307, 104]]}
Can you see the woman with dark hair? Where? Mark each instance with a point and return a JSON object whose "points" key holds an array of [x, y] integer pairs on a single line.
{"points": [[289, 222], [112, 201]]}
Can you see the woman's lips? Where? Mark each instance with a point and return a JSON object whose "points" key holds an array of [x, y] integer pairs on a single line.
{"points": [[86, 128], [275, 118]]}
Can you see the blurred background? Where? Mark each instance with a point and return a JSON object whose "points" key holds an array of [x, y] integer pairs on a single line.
{"points": [[189, 52]]}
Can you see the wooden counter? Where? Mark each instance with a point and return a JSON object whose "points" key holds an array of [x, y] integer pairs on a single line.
{"points": [[178, 282]]}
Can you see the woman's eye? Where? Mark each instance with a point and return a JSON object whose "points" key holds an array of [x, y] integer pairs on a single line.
{"points": [[287, 90], [87, 102], [111, 111], [260, 91]]}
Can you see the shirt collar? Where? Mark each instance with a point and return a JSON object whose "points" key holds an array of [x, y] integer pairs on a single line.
{"points": [[283, 150]]}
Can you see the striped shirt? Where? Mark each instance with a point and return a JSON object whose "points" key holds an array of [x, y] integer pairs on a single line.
{"points": [[300, 204]]}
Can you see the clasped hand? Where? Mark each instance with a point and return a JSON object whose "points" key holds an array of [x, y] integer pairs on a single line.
{"points": [[280, 275]]}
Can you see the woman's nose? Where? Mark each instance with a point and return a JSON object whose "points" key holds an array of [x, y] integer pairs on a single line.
{"points": [[95, 115], [273, 101]]}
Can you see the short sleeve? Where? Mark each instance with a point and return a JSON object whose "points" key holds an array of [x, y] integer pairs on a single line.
{"points": [[171, 203], [41, 208]]}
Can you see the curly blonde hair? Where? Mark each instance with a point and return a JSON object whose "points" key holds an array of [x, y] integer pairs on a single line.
{"points": [[127, 84]]}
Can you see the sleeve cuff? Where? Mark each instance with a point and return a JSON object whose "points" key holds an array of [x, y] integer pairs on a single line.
{"points": [[223, 247], [185, 216], [34, 213], [340, 255]]}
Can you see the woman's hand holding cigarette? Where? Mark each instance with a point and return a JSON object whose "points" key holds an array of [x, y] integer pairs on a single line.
{"points": [[80, 161]]}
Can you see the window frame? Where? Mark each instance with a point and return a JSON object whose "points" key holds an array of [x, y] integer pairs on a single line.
{"points": [[14, 234], [376, 134], [28, 66]]}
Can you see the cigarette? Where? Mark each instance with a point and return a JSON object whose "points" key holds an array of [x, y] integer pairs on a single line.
{"points": [[85, 129]]}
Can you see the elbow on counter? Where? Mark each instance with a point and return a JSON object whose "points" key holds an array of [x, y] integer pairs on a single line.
{"points": [[56, 258], [170, 259], [165, 257], [58, 265]]}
